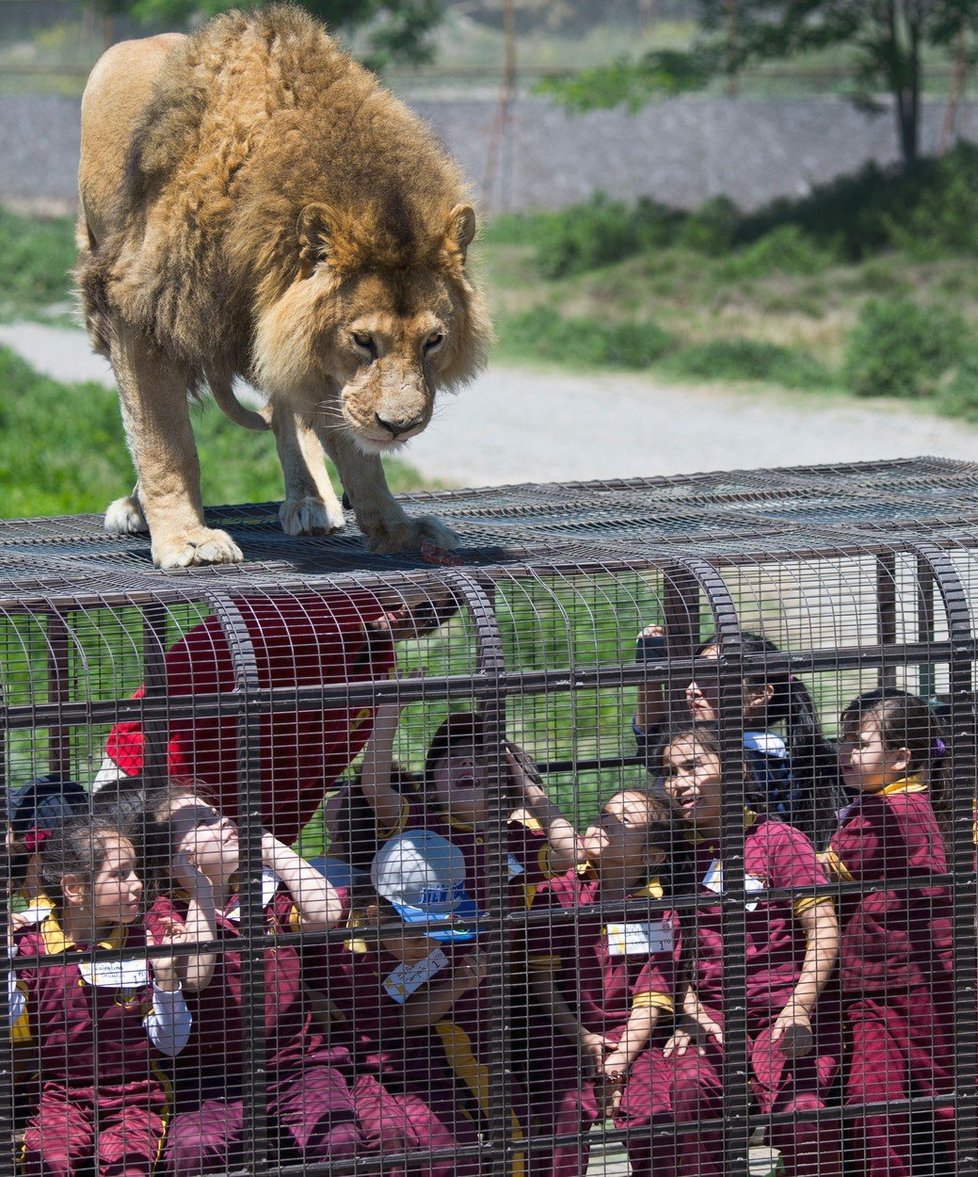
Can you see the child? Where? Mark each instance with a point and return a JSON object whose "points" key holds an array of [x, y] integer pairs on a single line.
{"points": [[896, 941], [34, 812], [793, 776], [789, 954], [412, 1003], [96, 1018], [606, 979], [308, 1100], [455, 803]]}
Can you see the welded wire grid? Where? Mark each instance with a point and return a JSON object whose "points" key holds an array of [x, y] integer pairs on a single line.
{"points": [[504, 864]]}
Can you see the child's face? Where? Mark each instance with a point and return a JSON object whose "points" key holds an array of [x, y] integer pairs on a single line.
{"points": [[207, 838], [116, 892], [703, 699], [693, 779], [866, 764], [405, 946], [459, 785], [621, 833]]}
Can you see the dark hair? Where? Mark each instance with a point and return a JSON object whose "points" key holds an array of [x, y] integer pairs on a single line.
{"points": [[40, 807], [812, 788], [77, 847], [904, 721], [666, 834], [354, 835]]}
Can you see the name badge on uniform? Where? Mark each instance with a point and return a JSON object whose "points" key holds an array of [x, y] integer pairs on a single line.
{"points": [[640, 938], [713, 881], [515, 866], [401, 982], [130, 975]]}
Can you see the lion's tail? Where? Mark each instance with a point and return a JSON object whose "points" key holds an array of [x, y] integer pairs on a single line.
{"points": [[231, 407]]}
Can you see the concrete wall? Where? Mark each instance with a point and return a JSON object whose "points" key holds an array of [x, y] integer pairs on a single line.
{"points": [[680, 152]]}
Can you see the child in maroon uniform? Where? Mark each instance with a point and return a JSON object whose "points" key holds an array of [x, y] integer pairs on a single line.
{"points": [[94, 1024], [309, 1102], [455, 803], [789, 954], [895, 957], [412, 1003], [606, 979]]}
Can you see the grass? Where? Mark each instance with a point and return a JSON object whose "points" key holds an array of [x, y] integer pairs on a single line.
{"points": [[35, 258], [82, 463]]}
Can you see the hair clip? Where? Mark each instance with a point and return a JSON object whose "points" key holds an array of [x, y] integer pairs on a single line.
{"points": [[940, 748], [35, 838]]}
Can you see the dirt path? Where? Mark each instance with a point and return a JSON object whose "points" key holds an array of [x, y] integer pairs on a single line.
{"points": [[527, 425]]}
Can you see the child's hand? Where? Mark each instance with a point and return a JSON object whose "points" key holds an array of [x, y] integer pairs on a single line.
{"points": [[186, 874], [793, 1031], [388, 713], [612, 1081], [701, 1020], [270, 848], [650, 645], [173, 936], [594, 1048], [472, 970], [680, 1041]]}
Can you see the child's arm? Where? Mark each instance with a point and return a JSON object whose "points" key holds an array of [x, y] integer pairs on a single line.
{"points": [[543, 982], [793, 1026], [565, 846], [199, 924], [377, 770], [431, 1003], [168, 1022], [320, 907], [641, 1022], [650, 705]]}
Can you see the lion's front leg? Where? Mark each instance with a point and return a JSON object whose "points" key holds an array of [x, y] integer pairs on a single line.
{"points": [[153, 393], [387, 527], [311, 506]]}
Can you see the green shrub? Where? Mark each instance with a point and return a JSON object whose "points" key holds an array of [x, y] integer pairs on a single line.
{"points": [[959, 396], [543, 334], [751, 359], [598, 233], [786, 249], [711, 228], [900, 349]]}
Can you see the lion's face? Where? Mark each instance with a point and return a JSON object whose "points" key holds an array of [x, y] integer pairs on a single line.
{"points": [[366, 349]]}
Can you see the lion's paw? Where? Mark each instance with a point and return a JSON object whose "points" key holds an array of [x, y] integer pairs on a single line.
{"points": [[407, 535], [204, 545], [310, 516], [125, 517]]}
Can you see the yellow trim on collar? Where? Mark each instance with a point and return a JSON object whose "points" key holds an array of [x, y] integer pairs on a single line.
{"points": [[651, 890], [56, 941], [906, 784], [834, 865], [750, 819]]}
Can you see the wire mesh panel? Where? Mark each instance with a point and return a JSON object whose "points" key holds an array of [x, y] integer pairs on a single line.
{"points": [[636, 836]]}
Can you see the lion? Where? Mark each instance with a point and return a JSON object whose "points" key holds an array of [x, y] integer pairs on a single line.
{"points": [[253, 203]]}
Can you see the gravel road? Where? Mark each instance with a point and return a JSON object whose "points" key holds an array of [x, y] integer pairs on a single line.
{"points": [[536, 425]]}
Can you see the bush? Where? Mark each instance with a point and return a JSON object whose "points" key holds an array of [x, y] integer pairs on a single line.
{"points": [[900, 349], [959, 396], [35, 259], [598, 233], [711, 228], [786, 249], [751, 359], [543, 334]]}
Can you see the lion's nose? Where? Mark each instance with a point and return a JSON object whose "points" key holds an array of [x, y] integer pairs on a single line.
{"points": [[396, 428]]}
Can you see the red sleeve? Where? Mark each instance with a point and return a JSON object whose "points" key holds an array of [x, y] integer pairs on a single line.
{"points": [[162, 911], [659, 974], [790, 857], [529, 846], [857, 847]]}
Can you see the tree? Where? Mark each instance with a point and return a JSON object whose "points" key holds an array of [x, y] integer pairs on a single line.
{"points": [[396, 30], [887, 39]]}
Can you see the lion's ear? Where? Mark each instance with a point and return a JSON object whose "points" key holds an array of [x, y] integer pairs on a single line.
{"points": [[319, 235], [460, 230]]}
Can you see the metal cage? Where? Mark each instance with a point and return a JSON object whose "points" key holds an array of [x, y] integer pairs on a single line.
{"points": [[261, 684]]}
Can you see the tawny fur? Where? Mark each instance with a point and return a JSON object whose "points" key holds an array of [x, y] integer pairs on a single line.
{"points": [[254, 203]]}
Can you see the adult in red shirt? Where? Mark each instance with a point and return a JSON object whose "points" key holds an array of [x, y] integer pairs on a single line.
{"points": [[603, 980], [308, 639], [896, 941], [790, 952]]}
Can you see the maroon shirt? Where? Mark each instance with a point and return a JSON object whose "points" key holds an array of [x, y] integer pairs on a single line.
{"points": [[892, 938], [219, 1038], [601, 970], [776, 855], [525, 844], [80, 1031]]}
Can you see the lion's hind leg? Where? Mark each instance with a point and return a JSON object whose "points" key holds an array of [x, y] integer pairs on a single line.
{"points": [[311, 506], [153, 394]]}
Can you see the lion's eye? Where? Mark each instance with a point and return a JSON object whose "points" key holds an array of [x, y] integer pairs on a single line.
{"points": [[434, 340], [365, 341]]}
